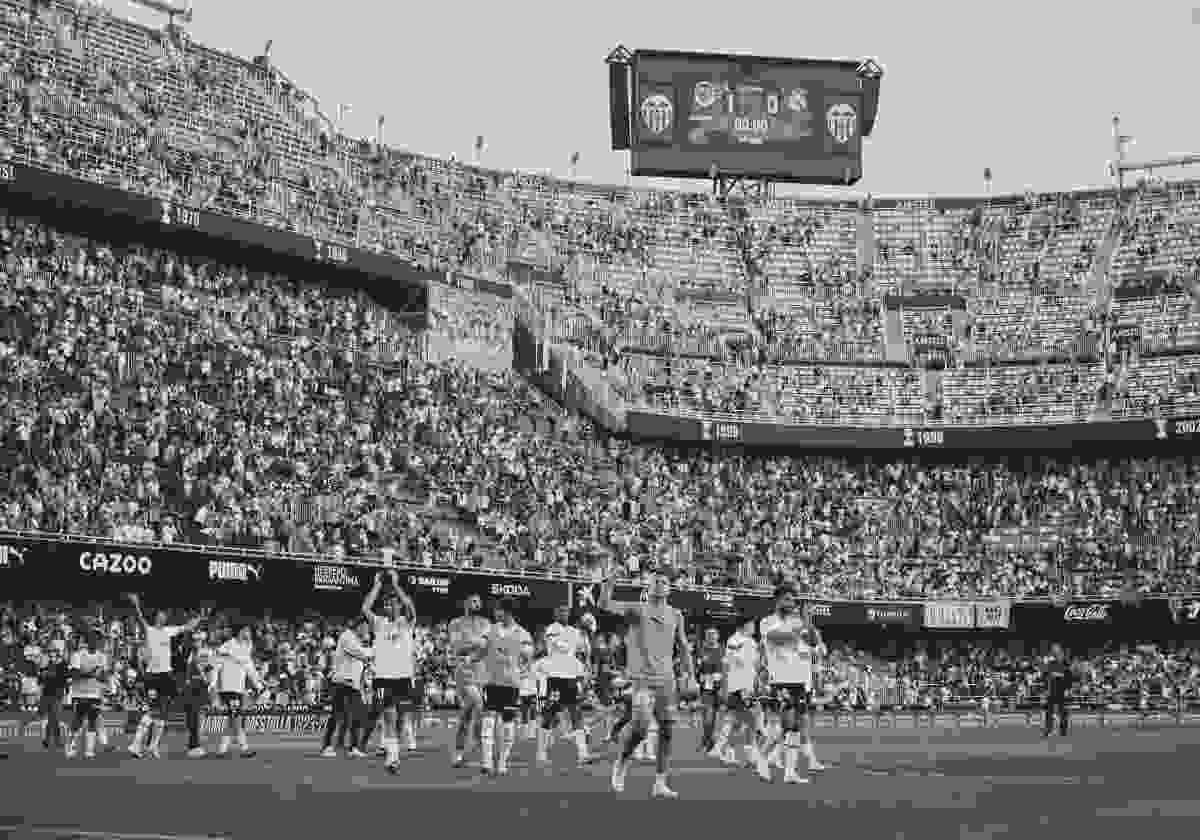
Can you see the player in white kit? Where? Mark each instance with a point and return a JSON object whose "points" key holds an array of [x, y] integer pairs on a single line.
{"points": [[89, 670], [394, 664], [567, 650], [235, 673], [742, 661], [508, 649], [790, 647], [158, 679]]}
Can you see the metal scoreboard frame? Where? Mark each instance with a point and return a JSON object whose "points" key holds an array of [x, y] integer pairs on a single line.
{"points": [[715, 115]]}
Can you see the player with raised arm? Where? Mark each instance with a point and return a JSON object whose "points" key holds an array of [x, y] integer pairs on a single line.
{"points": [[235, 673], [567, 652], [157, 676], [89, 669], [508, 648], [741, 662], [790, 645], [350, 658], [468, 642], [656, 640], [394, 663]]}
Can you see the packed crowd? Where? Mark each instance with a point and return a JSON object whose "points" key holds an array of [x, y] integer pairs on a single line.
{"points": [[154, 396], [293, 656], [106, 99]]}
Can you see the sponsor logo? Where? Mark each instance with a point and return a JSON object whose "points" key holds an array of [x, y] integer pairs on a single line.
{"points": [[725, 598], [1160, 428], [798, 100], [511, 590], [7, 173], [991, 615], [1182, 427], [1086, 612], [235, 570], [1181, 610], [820, 610], [115, 563], [11, 557], [658, 113], [705, 94], [329, 252], [888, 614], [720, 431], [434, 584], [949, 615], [587, 595], [332, 578], [842, 121], [173, 214]]}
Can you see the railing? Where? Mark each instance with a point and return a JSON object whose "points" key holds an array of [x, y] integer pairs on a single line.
{"points": [[381, 561]]}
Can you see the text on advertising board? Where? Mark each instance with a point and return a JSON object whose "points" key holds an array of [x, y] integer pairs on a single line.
{"points": [[330, 578], [1086, 612], [115, 563], [235, 570], [949, 616]]}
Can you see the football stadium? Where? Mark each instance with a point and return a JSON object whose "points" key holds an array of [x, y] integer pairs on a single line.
{"points": [[351, 488]]}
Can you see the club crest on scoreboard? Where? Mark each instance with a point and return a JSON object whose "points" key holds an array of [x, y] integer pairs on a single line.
{"points": [[658, 113], [842, 121]]}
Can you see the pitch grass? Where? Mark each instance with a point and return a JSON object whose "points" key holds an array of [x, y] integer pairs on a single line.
{"points": [[901, 785]]}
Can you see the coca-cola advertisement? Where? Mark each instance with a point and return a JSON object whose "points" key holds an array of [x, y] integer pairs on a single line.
{"points": [[1148, 616], [1090, 613]]}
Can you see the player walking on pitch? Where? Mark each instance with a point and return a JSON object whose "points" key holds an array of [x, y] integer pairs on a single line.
{"points": [[509, 648], [89, 669], [468, 643], [741, 663], [350, 659], [394, 664], [790, 644], [656, 637], [567, 649]]}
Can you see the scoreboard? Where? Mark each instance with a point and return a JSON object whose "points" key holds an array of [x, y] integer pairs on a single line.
{"points": [[787, 120]]}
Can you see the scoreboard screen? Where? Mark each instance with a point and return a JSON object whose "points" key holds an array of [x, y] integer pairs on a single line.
{"points": [[782, 119]]}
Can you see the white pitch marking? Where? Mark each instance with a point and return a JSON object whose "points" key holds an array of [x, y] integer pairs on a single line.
{"points": [[102, 835]]}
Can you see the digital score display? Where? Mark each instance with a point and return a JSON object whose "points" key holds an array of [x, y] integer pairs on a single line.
{"points": [[786, 120]]}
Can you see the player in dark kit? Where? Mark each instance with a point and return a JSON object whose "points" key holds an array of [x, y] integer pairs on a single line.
{"points": [[710, 668], [1059, 679]]}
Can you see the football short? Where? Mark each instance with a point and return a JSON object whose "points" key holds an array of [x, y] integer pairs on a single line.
{"points": [[528, 706], [161, 685], [656, 697], [739, 701], [501, 698], [394, 691], [562, 691], [789, 697], [87, 711]]}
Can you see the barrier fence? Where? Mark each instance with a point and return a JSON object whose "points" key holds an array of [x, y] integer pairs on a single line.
{"points": [[310, 721], [84, 571]]}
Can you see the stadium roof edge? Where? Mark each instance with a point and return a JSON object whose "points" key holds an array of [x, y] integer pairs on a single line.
{"points": [[844, 63]]}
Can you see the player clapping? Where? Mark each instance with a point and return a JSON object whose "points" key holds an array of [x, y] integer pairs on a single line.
{"points": [[394, 664], [235, 672]]}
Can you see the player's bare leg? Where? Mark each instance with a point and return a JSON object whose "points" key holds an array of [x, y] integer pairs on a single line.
{"points": [[806, 742], [768, 742], [469, 722], [580, 734], [503, 724], [391, 737], [632, 735], [666, 726]]}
